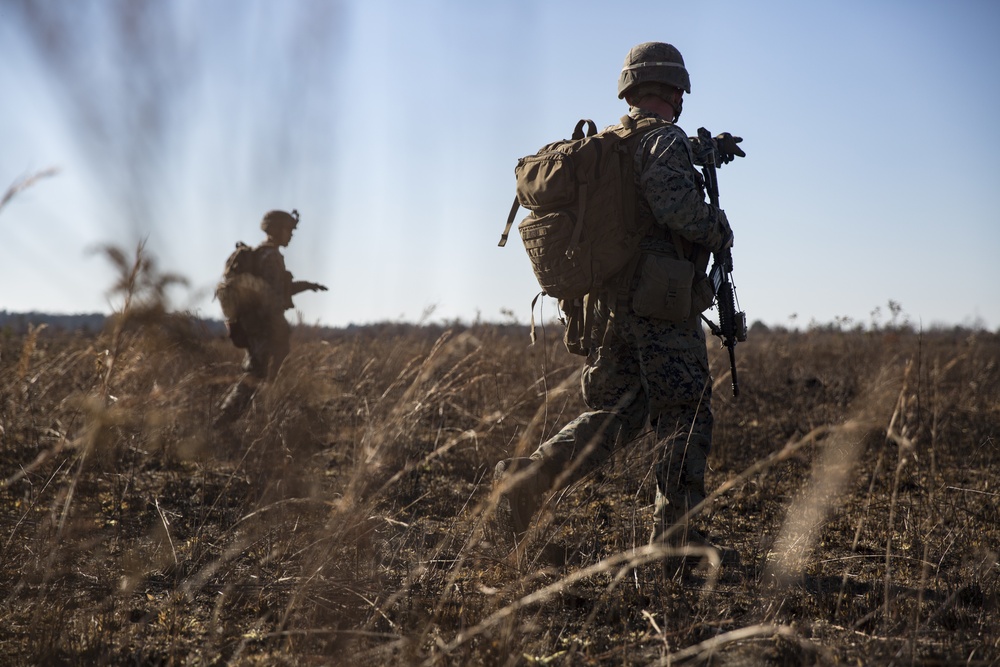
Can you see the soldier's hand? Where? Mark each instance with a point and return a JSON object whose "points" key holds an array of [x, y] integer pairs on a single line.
{"points": [[318, 288], [727, 147], [704, 152]]}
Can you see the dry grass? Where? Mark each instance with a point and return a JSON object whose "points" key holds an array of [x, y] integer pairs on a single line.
{"points": [[341, 520]]}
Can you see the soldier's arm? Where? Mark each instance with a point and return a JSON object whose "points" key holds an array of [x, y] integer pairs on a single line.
{"points": [[724, 147], [271, 268], [672, 188], [304, 285]]}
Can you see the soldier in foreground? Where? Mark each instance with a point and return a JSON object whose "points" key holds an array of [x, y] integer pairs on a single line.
{"points": [[649, 358], [255, 292]]}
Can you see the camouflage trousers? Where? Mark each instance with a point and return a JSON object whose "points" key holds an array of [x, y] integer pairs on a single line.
{"points": [[268, 343], [268, 339], [645, 370]]}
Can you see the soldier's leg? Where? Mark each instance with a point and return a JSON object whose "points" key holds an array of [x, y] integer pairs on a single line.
{"points": [[617, 401], [684, 426], [580, 447], [257, 357], [279, 344], [680, 477], [675, 370], [236, 400], [611, 388]]}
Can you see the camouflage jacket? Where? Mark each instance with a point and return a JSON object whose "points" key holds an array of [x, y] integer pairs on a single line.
{"points": [[270, 267], [671, 192]]}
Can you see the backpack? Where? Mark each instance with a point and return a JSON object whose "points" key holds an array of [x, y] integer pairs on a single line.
{"points": [[581, 231], [241, 289], [242, 260]]}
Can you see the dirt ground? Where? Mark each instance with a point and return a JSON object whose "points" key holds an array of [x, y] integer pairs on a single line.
{"points": [[346, 518]]}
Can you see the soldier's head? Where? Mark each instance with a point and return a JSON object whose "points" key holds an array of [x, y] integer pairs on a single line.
{"points": [[654, 70], [278, 225]]}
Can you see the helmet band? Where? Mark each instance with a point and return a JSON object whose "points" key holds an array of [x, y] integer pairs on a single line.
{"points": [[653, 64]]}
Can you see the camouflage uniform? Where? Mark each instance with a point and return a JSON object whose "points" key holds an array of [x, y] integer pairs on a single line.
{"points": [[267, 330], [647, 368], [264, 329]]}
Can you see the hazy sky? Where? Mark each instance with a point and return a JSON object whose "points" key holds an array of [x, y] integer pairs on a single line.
{"points": [[393, 127]]}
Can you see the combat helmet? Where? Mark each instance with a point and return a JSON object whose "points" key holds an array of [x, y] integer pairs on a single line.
{"points": [[656, 62], [275, 220]]}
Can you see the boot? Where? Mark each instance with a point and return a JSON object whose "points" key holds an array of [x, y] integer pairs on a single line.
{"points": [[518, 503], [670, 528], [686, 536]]}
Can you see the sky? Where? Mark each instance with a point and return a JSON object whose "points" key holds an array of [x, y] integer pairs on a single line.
{"points": [[393, 127]]}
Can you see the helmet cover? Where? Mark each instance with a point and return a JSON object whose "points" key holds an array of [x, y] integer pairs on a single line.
{"points": [[657, 62]]}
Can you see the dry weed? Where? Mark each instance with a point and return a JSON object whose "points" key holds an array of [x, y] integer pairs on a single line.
{"points": [[342, 519]]}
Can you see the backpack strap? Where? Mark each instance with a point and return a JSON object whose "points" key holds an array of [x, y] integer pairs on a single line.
{"points": [[510, 221], [581, 209], [580, 322], [631, 131], [631, 125], [581, 206], [531, 332], [578, 130]]}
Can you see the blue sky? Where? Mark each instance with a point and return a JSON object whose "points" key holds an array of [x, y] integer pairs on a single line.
{"points": [[394, 127]]}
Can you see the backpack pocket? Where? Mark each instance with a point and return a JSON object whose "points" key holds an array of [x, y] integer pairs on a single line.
{"points": [[561, 264], [546, 182], [664, 288]]}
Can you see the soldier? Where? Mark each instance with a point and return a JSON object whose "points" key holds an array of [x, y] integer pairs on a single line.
{"points": [[645, 367], [255, 291]]}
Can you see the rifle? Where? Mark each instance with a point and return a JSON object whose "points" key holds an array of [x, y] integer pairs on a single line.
{"points": [[732, 326]]}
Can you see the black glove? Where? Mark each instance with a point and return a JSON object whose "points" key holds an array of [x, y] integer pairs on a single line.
{"points": [[726, 146]]}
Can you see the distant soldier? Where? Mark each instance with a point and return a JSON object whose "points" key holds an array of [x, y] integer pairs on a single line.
{"points": [[255, 292]]}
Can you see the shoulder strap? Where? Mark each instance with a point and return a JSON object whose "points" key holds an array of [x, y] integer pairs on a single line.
{"points": [[631, 126]]}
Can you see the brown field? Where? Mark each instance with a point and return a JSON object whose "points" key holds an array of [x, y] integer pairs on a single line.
{"points": [[341, 520]]}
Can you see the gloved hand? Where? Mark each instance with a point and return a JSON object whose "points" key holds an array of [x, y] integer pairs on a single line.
{"points": [[703, 152], [727, 148]]}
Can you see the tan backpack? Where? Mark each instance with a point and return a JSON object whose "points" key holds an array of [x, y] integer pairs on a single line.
{"points": [[581, 230], [241, 290]]}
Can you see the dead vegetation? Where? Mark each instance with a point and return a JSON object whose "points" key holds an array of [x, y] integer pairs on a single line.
{"points": [[341, 521]]}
